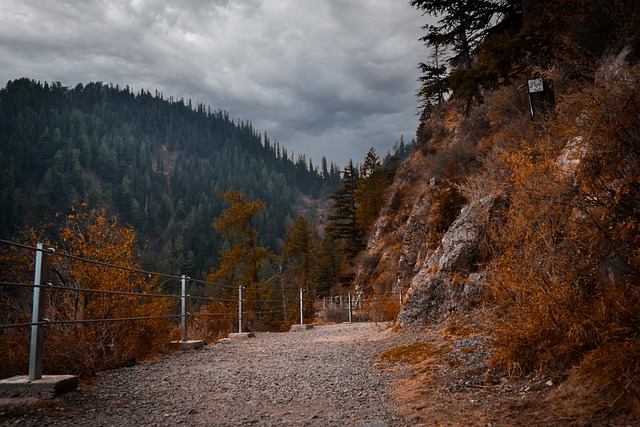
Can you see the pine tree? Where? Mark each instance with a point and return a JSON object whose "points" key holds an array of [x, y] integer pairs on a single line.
{"points": [[369, 193], [300, 247], [461, 26], [343, 223], [242, 258]]}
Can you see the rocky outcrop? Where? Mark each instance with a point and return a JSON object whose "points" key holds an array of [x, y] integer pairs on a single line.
{"points": [[446, 279], [396, 244]]}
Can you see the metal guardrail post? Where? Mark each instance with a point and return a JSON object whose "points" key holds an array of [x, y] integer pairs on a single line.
{"points": [[185, 314], [41, 277], [301, 308], [240, 288], [350, 309]]}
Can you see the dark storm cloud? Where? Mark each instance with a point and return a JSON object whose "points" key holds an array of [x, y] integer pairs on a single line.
{"points": [[324, 77]]}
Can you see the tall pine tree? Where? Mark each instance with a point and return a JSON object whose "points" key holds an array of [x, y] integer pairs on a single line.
{"points": [[343, 222]]}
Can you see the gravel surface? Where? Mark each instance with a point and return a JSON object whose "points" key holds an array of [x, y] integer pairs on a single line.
{"points": [[318, 377]]}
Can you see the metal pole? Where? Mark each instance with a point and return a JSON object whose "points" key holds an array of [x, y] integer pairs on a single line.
{"points": [[38, 319], [301, 309], [185, 320], [240, 309], [350, 309], [400, 297]]}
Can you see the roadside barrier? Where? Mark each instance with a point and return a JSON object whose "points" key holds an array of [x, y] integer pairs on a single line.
{"points": [[354, 308], [42, 286]]}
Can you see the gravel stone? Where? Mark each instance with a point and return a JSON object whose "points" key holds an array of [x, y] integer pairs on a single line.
{"points": [[317, 377]]}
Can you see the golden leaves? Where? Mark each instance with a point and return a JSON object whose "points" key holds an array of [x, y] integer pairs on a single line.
{"points": [[89, 236]]}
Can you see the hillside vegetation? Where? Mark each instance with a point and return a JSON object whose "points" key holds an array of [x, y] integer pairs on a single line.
{"points": [[518, 211], [158, 163]]}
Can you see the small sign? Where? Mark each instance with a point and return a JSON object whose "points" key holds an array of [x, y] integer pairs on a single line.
{"points": [[535, 85]]}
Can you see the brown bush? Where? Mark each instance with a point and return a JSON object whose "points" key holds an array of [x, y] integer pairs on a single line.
{"points": [[380, 309], [213, 321], [84, 348], [566, 259]]}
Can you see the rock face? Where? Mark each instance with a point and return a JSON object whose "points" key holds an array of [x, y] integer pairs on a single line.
{"points": [[446, 279], [396, 243], [433, 282], [460, 245]]}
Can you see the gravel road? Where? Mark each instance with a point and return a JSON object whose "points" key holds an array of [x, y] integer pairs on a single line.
{"points": [[318, 377]]}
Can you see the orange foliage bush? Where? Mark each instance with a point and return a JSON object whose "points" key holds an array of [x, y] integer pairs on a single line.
{"points": [[566, 281], [84, 348], [382, 307], [217, 320]]}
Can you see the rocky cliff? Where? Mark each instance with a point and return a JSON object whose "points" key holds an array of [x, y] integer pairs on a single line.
{"points": [[430, 254]]}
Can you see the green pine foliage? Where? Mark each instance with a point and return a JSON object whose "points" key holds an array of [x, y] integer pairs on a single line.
{"points": [[159, 163], [343, 222]]}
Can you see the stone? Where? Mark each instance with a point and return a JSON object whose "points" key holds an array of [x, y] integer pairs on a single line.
{"points": [[434, 291]]}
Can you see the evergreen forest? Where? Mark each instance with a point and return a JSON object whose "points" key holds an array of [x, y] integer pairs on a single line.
{"points": [[159, 164]]}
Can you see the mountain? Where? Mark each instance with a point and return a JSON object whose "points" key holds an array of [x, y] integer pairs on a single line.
{"points": [[158, 163]]}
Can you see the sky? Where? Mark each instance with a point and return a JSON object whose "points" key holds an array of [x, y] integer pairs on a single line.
{"points": [[328, 78]]}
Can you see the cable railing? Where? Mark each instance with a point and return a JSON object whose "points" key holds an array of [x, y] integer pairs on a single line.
{"points": [[43, 289], [356, 307], [248, 309]]}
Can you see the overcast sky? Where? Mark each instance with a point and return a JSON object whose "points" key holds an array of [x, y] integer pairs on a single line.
{"points": [[324, 77]]}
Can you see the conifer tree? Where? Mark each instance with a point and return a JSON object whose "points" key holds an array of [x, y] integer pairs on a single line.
{"points": [[370, 189], [242, 258], [461, 25], [300, 247], [343, 222]]}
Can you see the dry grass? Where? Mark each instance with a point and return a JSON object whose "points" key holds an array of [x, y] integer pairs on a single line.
{"points": [[412, 354]]}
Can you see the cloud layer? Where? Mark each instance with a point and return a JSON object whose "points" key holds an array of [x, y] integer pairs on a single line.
{"points": [[324, 77]]}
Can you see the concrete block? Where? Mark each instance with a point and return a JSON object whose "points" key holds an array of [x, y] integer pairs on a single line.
{"points": [[241, 336], [299, 327], [48, 387], [188, 345]]}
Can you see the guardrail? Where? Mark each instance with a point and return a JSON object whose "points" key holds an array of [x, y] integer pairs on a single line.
{"points": [[358, 307], [42, 286]]}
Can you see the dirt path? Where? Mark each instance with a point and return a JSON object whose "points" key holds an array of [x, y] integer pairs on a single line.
{"points": [[319, 377]]}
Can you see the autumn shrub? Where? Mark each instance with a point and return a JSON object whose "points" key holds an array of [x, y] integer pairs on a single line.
{"points": [[489, 180], [213, 321], [567, 255], [14, 309], [382, 308], [602, 386], [78, 340]]}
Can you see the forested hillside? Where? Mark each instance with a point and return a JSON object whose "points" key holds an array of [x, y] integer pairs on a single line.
{"points": [[158, 163]]}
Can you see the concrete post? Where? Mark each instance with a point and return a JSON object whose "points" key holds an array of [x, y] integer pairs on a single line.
{"points": [[41, 277]]}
